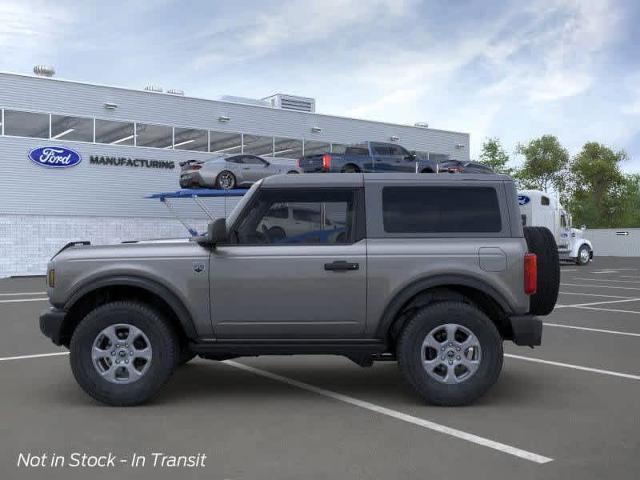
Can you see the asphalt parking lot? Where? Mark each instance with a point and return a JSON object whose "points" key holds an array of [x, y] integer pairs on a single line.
{"points": [[568, 409]]}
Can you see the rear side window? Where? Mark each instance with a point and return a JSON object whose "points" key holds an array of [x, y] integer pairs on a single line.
{"points": [[441, 210], [357, 151]]}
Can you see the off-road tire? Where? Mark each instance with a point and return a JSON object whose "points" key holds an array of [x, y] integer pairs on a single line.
{"points": [[164, 344], [541, 242], [409, 353]]}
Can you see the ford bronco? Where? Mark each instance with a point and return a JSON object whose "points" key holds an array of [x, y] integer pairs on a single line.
{"points": [[434, 272]]}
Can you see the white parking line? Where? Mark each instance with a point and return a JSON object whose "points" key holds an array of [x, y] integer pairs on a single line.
{"points": [[38, 355], [598, 286], [21, 294], [517, 452], [596, 330], [575, 367], [16, 300], [598, 303], [592, 294], [615, 310], [605, 280]]}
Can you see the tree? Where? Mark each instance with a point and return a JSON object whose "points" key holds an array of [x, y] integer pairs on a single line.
{"points": [[494, 156], [545, 164], [602, 195]]}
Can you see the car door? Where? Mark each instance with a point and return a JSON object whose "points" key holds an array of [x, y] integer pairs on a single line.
{"points": [[272, 281], [401, 160], [254, 168], [382, 159]]}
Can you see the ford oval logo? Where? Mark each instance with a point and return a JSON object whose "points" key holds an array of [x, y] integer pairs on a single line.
{"points": [[55, 157], [523, 199]]}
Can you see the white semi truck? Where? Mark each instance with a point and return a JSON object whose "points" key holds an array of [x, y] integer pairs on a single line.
{"points": [[539, 209]]}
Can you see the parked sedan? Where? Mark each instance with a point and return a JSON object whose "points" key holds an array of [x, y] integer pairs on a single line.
{"points": [[226, 172]]}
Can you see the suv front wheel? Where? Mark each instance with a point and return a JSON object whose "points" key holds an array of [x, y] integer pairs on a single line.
{"points": [[450, 353], [123, 352]]}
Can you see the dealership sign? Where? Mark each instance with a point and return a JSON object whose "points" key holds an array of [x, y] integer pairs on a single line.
{"points": [[55, 157]]}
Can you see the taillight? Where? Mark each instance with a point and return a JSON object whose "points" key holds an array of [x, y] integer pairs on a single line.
{"points": [[326, 162], [530, 273], [298, 163]]}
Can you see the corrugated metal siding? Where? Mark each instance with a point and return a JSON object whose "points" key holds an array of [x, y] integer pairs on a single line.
{"points": [[49, 95], [612, 242]]}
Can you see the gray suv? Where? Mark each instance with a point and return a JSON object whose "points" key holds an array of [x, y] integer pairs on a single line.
{"points": [[432, 271]]}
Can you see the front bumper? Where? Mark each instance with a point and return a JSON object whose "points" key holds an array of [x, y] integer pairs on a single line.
{"points": [[51, 325], [527, 330]]}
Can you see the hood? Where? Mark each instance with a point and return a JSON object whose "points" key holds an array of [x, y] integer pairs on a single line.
{"points": [[83, 251]]}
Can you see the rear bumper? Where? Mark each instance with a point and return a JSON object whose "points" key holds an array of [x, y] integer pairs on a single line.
{"points": [[527, 330], [51, 322]]}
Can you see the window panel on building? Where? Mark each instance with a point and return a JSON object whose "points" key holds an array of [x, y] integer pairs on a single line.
{"points": [[114, 133], [257, 145], [313, 147], [338, 148], [225, 142], [287, 148], [26, 124], [158, 136], [190, 139], [71, 128]]}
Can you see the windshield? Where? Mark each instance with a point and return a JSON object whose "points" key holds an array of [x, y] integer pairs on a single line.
{"points": [[241, 204]]}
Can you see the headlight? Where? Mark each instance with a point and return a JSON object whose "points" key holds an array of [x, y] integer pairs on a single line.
{"points": [[51, 278]]}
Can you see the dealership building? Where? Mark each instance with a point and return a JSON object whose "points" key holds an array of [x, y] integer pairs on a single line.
{"points": [[77, 160]]}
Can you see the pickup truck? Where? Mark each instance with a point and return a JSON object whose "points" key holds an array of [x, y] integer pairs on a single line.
{"points": [[368, 157]]}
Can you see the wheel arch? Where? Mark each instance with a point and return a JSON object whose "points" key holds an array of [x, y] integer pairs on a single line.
{"points": [[354, 165], [121, 287], [439, 288]]}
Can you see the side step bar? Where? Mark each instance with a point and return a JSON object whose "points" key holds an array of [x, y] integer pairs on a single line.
{"points": [[253, 347]]}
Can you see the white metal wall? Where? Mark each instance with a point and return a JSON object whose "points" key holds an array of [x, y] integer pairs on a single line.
{"points": [[615, 242]]}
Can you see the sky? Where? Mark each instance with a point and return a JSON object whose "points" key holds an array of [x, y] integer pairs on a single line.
{"points": [[508, 69]]}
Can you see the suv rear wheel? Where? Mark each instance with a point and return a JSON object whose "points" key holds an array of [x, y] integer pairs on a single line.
{"points": [[123, 352], [450, 353]]}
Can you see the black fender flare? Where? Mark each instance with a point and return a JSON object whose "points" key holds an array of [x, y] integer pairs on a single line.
{"points": [[409, 291], [182, 313]]}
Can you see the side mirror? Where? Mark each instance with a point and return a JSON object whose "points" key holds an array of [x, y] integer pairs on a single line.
{"points": [[216, 233]]}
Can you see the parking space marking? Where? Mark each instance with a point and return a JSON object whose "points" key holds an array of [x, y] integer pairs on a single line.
{"points": [[596, 330], [37, 355], [21, 294], [20, 300], [517, 452], [598, 303], [605, 280], [592, 294], [601, 309], [599, 286], [575, 367]]}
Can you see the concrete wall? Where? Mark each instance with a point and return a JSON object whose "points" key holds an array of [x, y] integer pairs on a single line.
{"points": [[615, 242]]}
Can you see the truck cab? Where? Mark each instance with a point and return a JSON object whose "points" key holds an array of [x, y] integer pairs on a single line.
{"points": [[539, 209]]}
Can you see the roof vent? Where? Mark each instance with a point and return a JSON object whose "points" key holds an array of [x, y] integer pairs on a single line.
{"points": [[153, 88], [175, 91], [244, 100], [292, 102], [44, 70]]}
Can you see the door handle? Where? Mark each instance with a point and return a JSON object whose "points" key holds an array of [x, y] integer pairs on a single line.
{"points": [[341, 266]]}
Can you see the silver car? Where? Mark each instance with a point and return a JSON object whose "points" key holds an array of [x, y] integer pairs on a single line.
{"points": [[228, 172]]}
